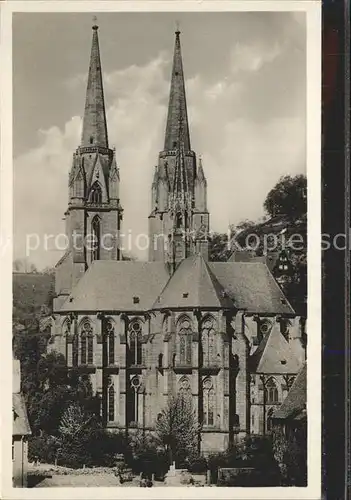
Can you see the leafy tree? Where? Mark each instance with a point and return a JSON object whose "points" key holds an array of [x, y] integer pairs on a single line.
{"points": [[23, 266], [288, 197], [290, 451], [219, 250], [74, 421], [178, 430], [84, 441]]}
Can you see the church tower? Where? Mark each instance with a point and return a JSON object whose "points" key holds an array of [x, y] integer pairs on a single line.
{"points": [[179, 220], [94, 213]]}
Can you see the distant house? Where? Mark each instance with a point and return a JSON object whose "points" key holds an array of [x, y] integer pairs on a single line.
{"points": [[289, 423], [20, 431]]}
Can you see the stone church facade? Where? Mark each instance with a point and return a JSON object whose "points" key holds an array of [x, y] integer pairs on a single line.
{"points": [[220, 333]]}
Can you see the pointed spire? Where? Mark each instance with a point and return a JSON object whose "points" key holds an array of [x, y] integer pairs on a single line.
{"points": [[200, 172], [155, 180], [177, 108], [180, 178], [94, 122]]}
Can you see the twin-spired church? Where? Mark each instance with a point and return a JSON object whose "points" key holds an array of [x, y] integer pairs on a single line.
{"points": [[220, 333]]}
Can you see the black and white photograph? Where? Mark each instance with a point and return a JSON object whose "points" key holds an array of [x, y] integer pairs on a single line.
{"points": [[165, 309]]}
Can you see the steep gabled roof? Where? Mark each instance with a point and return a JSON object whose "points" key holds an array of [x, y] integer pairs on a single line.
{"points": [[118, 286], [274, 355], [252, 287], [294, 404], [193, 285]]}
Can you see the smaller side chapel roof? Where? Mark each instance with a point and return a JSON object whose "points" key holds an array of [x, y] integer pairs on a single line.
{"points": [[118, 286], [274, 355], [295, 402]]}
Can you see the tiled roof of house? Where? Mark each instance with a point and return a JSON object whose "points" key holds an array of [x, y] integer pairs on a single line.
{"points": [[274, 355], [20, 425], [252, 287], [193, 285], [294, 405], [118, 286]]}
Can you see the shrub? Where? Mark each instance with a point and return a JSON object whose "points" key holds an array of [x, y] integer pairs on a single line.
{"points": [[43, 448], [96, 447], [254, 452], [198, 465], [239, 477], [147, 456]]}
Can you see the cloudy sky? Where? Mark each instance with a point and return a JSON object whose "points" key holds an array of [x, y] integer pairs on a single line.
{"points": [[246, 93]]}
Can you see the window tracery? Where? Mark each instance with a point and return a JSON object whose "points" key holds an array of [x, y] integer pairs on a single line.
{"points": [[135, 343], [96, 193], [111, 400], [110, 341], [271, 392], [208, 402], [86, 344], [184, 332], [96, 237], [184, 389], [208, 339]]}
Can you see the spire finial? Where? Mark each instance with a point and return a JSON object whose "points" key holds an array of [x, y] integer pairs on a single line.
{"points": [[95, 26], [177, 31]]}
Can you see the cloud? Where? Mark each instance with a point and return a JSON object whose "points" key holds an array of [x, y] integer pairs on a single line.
{"points": [[243, 155], [76, 81], [245, 57]]}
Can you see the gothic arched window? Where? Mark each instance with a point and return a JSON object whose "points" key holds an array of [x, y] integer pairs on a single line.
{"points": [[96, 193], [184, 389], [179, 220], [271, 392], [111, 401], [86, 344], [208, 340], [160, 360], [165, 325], [66, 330], [96, 237], [135, 343], [79, 185], [208, 395], [110, 342], [184, 331], [133, 400], [75, 348]]}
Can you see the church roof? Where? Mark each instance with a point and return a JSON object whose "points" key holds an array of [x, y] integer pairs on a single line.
{"points": [[118, 286], [252, 287], [274, 355], [114, 285], [20, 426], [177, 109], [294, 404], [193, 285], [94, 122]]}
